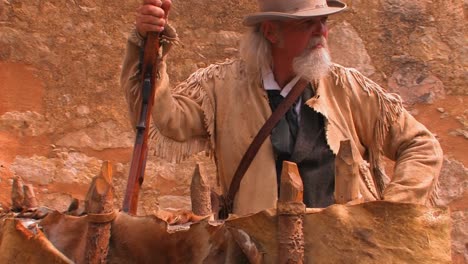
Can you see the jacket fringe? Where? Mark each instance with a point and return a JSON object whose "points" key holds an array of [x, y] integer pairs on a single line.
{"points": [[390, 104], [175, 151]]}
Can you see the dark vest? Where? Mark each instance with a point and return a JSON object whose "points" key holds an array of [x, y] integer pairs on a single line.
{"points": [[315, 160]]}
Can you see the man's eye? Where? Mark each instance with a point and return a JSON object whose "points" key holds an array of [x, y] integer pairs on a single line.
{"points": [[308, 23]]}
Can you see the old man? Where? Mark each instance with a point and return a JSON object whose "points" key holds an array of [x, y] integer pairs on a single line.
{"points": [[222, 107]]}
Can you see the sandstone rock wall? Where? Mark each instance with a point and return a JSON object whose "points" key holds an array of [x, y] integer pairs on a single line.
{"points": [[62, 111]]}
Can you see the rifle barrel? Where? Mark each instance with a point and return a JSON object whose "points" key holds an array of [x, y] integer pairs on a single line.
{"points": [[151, 62]]}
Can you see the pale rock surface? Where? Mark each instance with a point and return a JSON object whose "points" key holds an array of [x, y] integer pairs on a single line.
{"points": [[149, 204], [57, 201], [106, 135], [82, 110], [427, 45], [175, 202], [348, 49], [76, 167], [453, 187], [415, 85], [26, 123], [226, 38], [411, 10], [453, 182], [65, 167], [36, 169]]}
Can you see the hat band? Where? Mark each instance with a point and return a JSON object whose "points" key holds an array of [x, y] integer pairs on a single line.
{"points": [[290, 6]]}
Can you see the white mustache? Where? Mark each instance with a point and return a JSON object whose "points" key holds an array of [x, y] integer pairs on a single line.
{"points": [[317, 41]]}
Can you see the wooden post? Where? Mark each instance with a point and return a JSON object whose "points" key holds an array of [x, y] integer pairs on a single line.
{"points": [[346, 174], [99, 202], [291, 210], [17, 195], [30, 200], [200, 193]]}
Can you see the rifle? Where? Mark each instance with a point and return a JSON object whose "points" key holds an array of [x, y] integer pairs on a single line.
{"points": [[150, 68]]}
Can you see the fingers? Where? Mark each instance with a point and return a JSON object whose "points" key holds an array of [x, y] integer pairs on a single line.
{"points": [[151, 16], [152, 10], [148, 23], [166, 5], [152, 2]]}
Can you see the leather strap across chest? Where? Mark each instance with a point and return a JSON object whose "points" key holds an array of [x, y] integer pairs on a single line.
{"points": [[257, 142]]}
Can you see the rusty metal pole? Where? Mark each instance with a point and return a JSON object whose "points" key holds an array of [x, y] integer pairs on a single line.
{"points": [[291, 210]]}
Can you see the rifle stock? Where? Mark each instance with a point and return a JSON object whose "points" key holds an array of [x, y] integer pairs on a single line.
{"points": [[150, 67]]}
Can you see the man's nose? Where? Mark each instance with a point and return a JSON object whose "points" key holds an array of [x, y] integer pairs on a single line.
{"points": [[320, 29]]}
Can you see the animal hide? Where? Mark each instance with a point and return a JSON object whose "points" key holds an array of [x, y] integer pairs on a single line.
{"points": [[374, 232]]}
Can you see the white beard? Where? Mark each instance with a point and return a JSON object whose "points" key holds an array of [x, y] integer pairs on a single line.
{"points": [[313, 63]]}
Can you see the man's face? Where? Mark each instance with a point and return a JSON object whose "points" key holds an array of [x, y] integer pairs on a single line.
{"points": [[295, 35], [315, 62]]}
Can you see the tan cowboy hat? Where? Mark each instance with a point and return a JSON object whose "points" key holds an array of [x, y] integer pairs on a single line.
{"points": [[293, 9]]}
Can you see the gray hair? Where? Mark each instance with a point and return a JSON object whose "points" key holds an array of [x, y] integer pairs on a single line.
{"points": [[255, 50]]}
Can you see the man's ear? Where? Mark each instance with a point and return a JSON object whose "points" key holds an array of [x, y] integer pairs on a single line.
{"points": [[270, 31]]}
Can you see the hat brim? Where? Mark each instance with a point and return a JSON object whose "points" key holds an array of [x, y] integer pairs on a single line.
{"points": [[333, 8]]}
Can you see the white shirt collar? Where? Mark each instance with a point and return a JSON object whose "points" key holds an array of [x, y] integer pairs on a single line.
{"points": [[269, 82]]}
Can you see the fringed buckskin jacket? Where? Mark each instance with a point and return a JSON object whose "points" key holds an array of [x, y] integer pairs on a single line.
{"points": [[221, 108]]}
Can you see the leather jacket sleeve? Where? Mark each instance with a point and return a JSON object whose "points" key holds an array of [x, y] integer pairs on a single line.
{"points": [[418, 160], [176, 115], [390, 130]]}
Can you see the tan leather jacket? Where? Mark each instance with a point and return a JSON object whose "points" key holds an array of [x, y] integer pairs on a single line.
{"points": [[220, 109]]}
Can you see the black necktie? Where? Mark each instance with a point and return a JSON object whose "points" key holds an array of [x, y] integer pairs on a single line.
{"points": [[283, 136]]}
